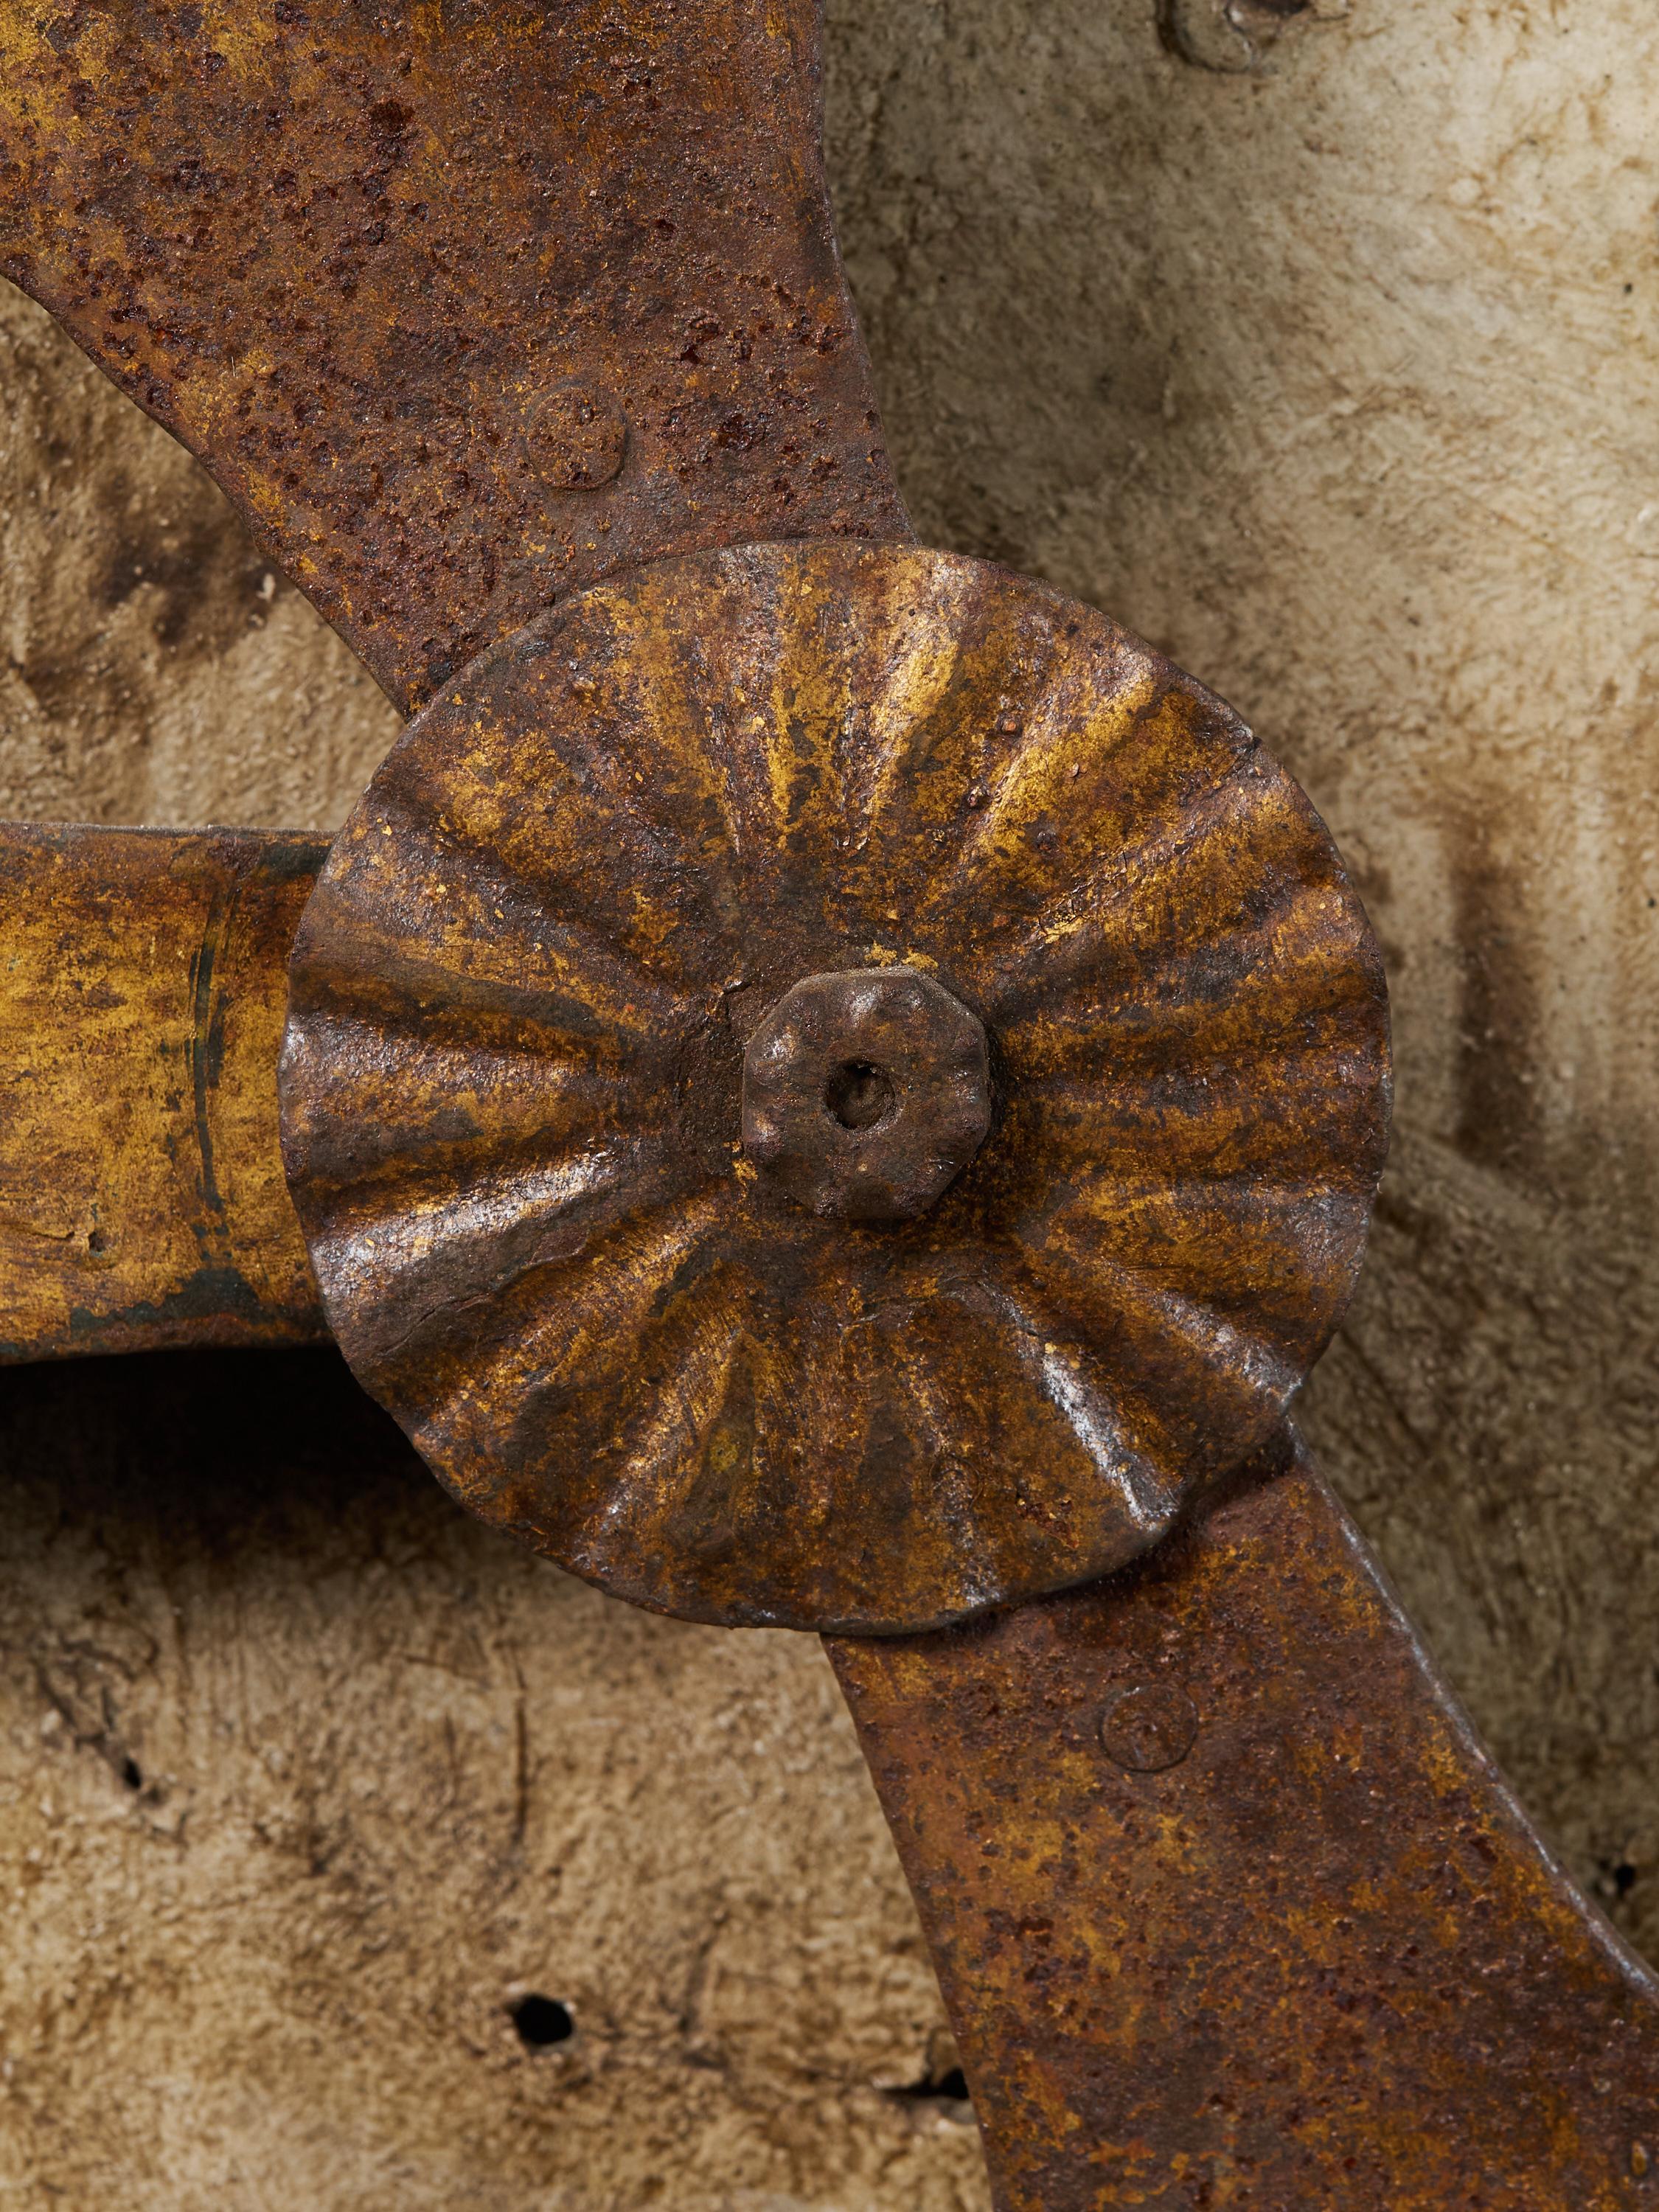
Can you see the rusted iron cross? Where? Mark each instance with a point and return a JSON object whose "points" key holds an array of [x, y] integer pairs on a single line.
{"points": [[823, 1083]]}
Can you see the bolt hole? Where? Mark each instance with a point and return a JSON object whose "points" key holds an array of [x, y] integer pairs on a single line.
{"points": [[541, 2022], [859, 1095], [133, 1774]]}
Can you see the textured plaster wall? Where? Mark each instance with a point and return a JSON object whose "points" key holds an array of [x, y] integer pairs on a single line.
{"points": [[1317, 344]]}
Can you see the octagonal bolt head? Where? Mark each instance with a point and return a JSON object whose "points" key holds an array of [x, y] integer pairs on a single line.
{"points": [[866, 1093]]}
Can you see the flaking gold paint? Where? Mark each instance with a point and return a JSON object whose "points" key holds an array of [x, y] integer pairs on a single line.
{"points": [[141, 1006]]}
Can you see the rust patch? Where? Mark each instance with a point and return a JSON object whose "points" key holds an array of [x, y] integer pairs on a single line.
{"points": [[510, 1086], [1319, 1959], [353, 257]]}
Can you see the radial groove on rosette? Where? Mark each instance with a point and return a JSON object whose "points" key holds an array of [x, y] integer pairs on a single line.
{"points": [[1055, 729], [393, 988], [908, 1479], [1076, 1353], [1218, 1263], [499, 903], [381, 1104], [1031, 1502], [807, 712], [975, 1366], [543, 1329], [466, 1232], [1243, 1364], [931, 828], [661, 1411], [611, 767], [514, 1083], [1194, 1121], [656, 744], [1127, 892], [430, 1281], [921, 658], [1293, 1016], [1252, 984], [685, 1383], [668, 703], [781, 707], [941, 736], [1148, 1495], [661, 1523], [956, 1464], [1117, 770], [885, 1504], [397, 885]]}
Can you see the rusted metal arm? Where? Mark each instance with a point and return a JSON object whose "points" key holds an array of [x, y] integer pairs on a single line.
{"points": [[1228, 1905], [142, 995], [463, 306]]}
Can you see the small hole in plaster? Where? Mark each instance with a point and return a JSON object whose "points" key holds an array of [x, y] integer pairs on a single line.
{"points": [[541, 2022]]}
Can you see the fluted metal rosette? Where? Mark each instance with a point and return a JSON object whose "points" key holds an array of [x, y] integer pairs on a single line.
{"points": [[513, 1087]]}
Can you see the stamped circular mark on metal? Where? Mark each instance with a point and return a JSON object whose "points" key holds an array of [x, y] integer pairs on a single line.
{"points": [[865, 1094], [1149, 1727], [636, 1087], [576, 438]]}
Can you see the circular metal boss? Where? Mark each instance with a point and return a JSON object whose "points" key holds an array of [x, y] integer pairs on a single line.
{"points": [[829, 1085]]}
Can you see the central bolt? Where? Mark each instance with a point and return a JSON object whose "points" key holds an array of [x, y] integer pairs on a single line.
{"points": [[866, 1093]]}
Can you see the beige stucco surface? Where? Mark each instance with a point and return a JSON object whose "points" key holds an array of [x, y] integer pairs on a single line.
{"points": [[1321, 348]]}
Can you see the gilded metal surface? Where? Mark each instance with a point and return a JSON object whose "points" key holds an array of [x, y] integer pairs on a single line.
{"points": [[865, 1094], [1311, 1956], [467, 307], [142, 1199], [463, 305], [521, 997]]}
